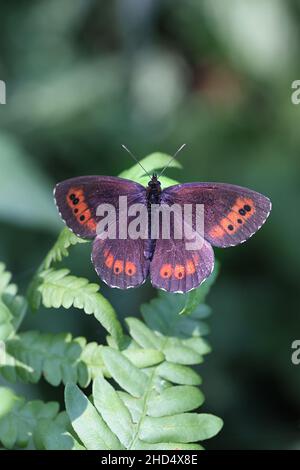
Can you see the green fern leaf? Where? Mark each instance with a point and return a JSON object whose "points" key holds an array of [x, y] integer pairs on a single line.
{"points": [[13, 307], [19, 419], [110, 423], [184, 428], [161, 315], [58, 358], [60, 289], [60, 249], [56, 434], [87, 423], [151, 404]]}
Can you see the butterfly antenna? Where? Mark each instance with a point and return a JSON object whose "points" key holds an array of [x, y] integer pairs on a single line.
{"points": [[135, 159], [173, 158]]}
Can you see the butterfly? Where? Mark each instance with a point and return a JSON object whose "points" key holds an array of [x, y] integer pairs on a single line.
{"points": [[232, 214]]}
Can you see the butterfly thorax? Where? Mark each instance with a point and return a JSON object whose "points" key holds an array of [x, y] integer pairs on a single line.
{"points": [[154, 191]]}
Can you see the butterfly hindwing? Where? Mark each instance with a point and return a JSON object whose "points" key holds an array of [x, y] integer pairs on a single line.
{"points": [[178, 267], [120, 263], [232, 214], [77, 200]]}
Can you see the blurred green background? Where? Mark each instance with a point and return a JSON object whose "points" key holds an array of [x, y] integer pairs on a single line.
{"points": [[85, 76]]}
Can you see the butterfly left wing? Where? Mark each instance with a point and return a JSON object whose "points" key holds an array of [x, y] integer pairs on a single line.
{"points": [[232, 214], [77, 200], [118, 262]]}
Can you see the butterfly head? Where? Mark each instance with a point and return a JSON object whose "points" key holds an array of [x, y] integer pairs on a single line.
{"points": [[154, 183]]}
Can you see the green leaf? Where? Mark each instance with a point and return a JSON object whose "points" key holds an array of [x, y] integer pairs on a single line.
{"points": [[197, 296], [7, 401], [179, 374], [142, 334], [13, 307], [176, 352], [185, 428], [5, 284], [134, 405], [60, 250], [131, 379], [56, 434], [55, 437], [59, 358], [142, 358], [59, 289], [113, 410], [173, 349], [61, 247], [142, 409], [18, 419], [197, 344], [175, 400], [88, 424], [151, 163], [161, 315]]}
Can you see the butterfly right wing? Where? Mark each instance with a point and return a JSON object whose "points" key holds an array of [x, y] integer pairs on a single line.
{"points": [[177, 266]]}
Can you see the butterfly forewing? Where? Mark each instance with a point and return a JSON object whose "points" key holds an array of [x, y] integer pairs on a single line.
{"points": [[232, 214], [77, 200]]}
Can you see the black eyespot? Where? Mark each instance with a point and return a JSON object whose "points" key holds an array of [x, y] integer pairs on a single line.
{"points": [[129, 271], [242, 212], [247, 208], [180, 274], [72, 196], [75, 211], [82, 217], [166, 274], [117, 270], [230, 227], [239, 221], [75, 201]]}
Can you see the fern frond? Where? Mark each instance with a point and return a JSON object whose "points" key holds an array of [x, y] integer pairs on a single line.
{"points": [[12, 306], [19, 419], [56, 434], [58, 358], [61, 247], [60, 250], [117, 420], [161, 316], [152, 403], [60, 289]]}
